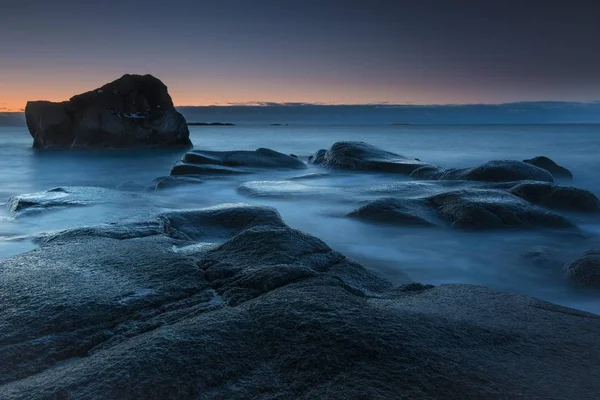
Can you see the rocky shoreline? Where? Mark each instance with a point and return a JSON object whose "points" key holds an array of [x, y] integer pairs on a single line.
{"points": [[230, 302]]}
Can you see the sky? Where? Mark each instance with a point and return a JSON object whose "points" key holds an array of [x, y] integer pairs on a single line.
{"points": [[327, 51]]}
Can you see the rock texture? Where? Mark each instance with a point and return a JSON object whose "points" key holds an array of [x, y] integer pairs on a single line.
{"points": [[585, 269], [491, 171], [265, 311], [549, 165], [362, 156], [557, 196], [133, 111], [67, 196], [463, 209], [233, 162]]}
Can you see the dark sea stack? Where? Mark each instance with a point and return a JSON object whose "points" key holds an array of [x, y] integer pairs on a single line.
{"points": [[133, 111], [498, 171], [268, 312], [361, 156], [549, 165], [556, 196], [585, 269]]}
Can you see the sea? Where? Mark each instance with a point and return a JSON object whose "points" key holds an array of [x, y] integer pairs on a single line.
{"points": [[501, 260]]}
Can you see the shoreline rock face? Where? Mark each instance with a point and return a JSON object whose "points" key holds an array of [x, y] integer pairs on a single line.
{"points": [[132, 111], [229, 302]]}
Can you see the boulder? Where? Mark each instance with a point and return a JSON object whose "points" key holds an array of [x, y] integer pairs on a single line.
{"points": [[133, 111], [267, 312], [260, 158], [463, 209], [557, 196], [362, 156], [549, 165], [233, 162], [493, 209], [393, 211], [585, 269], [497, 171]]}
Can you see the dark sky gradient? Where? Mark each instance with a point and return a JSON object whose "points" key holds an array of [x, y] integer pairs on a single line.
{"points": [[236, 51]]}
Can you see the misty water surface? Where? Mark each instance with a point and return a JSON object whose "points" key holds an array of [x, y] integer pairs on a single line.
{"points": [[495, 259]]}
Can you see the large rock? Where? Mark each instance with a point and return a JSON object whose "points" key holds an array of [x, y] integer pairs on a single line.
{"points": [[585, 269], [133, 111], [362, 156], [269, 313], [549, 165], [557, 196], [491, 171], [463, 209], [395, 212], [233, 162]]}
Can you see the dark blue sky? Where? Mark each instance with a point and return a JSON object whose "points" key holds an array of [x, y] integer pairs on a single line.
{"points": [[236, 51]]}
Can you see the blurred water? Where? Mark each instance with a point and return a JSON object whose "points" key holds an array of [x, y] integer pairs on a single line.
{"points": [[434, 256]]}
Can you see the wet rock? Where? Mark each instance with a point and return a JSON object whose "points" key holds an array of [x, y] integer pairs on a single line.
{"points": [[427, 172], [549, 165], [270, 312], [260, 158], [463, 209], [169, 182], [497, 171], [205, 169], [557, 196], [394, 211], [362, 156], [493, 209], [318, 158], [63, 197], [133, 111], [585, 269]]}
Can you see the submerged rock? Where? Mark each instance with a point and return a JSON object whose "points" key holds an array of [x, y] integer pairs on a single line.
{"points": [[585, 269], [496, 171], [169, 182], [67, 196], [269, 313], [133, 111], [464, 209], [362, 156], [557, 196], [549, 165]]}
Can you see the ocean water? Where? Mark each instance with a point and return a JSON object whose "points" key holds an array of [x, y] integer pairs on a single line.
{"points": [[494, 259]]}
